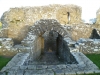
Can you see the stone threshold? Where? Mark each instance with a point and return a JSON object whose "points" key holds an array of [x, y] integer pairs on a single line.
{"points": [[16, 67]]}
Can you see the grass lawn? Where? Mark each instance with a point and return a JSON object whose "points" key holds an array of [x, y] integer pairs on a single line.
{"points": [[95, 58], [3, 61]]}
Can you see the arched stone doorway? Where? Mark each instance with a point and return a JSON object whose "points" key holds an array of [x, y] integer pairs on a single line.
{"points": [[47, 36]]}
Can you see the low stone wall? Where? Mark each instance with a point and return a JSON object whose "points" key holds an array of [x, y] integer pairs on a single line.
{"points": [[86, 46], [7, 47], [17, 67], [35, 46], [90, 46], [17, 61]]}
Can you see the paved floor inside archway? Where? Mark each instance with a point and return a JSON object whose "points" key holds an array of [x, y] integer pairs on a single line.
{"points": [[48, 58]]}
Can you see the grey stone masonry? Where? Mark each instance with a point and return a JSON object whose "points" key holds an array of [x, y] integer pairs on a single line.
{"points": [[86, 46], [7, 47], [44, 25], [89, 45], [6, 42], [17, 61], [17, 67]]}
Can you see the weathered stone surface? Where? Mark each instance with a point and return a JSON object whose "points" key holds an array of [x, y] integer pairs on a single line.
{"points": [[30, 72], [2, 73], [59, 72], [31, 66], [88, 45], [38, 67], [61, 66], [39, 72], [89, 72], [6, 42], [4, 33], [20, 72], [23, 67], [18, 20], [52, 67], [16, 61], [81, 31], [15, 68], [61, 69], [12, 72]]}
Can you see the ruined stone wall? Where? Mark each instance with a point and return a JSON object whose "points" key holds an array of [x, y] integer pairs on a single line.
{"points": [[86, 46], [89, 46], [7, 47], [79, 31], [18, 20]]}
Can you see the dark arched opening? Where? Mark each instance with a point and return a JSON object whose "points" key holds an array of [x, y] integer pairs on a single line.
{"points": [[68, 15], [56, 50]]}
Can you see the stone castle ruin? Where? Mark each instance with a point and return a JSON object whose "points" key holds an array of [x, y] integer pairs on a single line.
{"points": [[48, 40], [18, 20]]}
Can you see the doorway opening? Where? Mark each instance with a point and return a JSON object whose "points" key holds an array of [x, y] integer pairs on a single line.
{"points": [[68, 15]]}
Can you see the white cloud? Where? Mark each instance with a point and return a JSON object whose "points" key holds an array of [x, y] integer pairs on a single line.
{"points": [[89, 7]]}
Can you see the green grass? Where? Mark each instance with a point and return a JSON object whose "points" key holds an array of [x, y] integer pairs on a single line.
{"points": [[3, 61], [95, 58]]}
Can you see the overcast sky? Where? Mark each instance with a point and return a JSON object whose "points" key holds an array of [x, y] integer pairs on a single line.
{"points": [[89, 7]]}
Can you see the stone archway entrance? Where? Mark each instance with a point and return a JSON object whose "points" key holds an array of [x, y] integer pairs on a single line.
{"points": [[55, 49]]}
